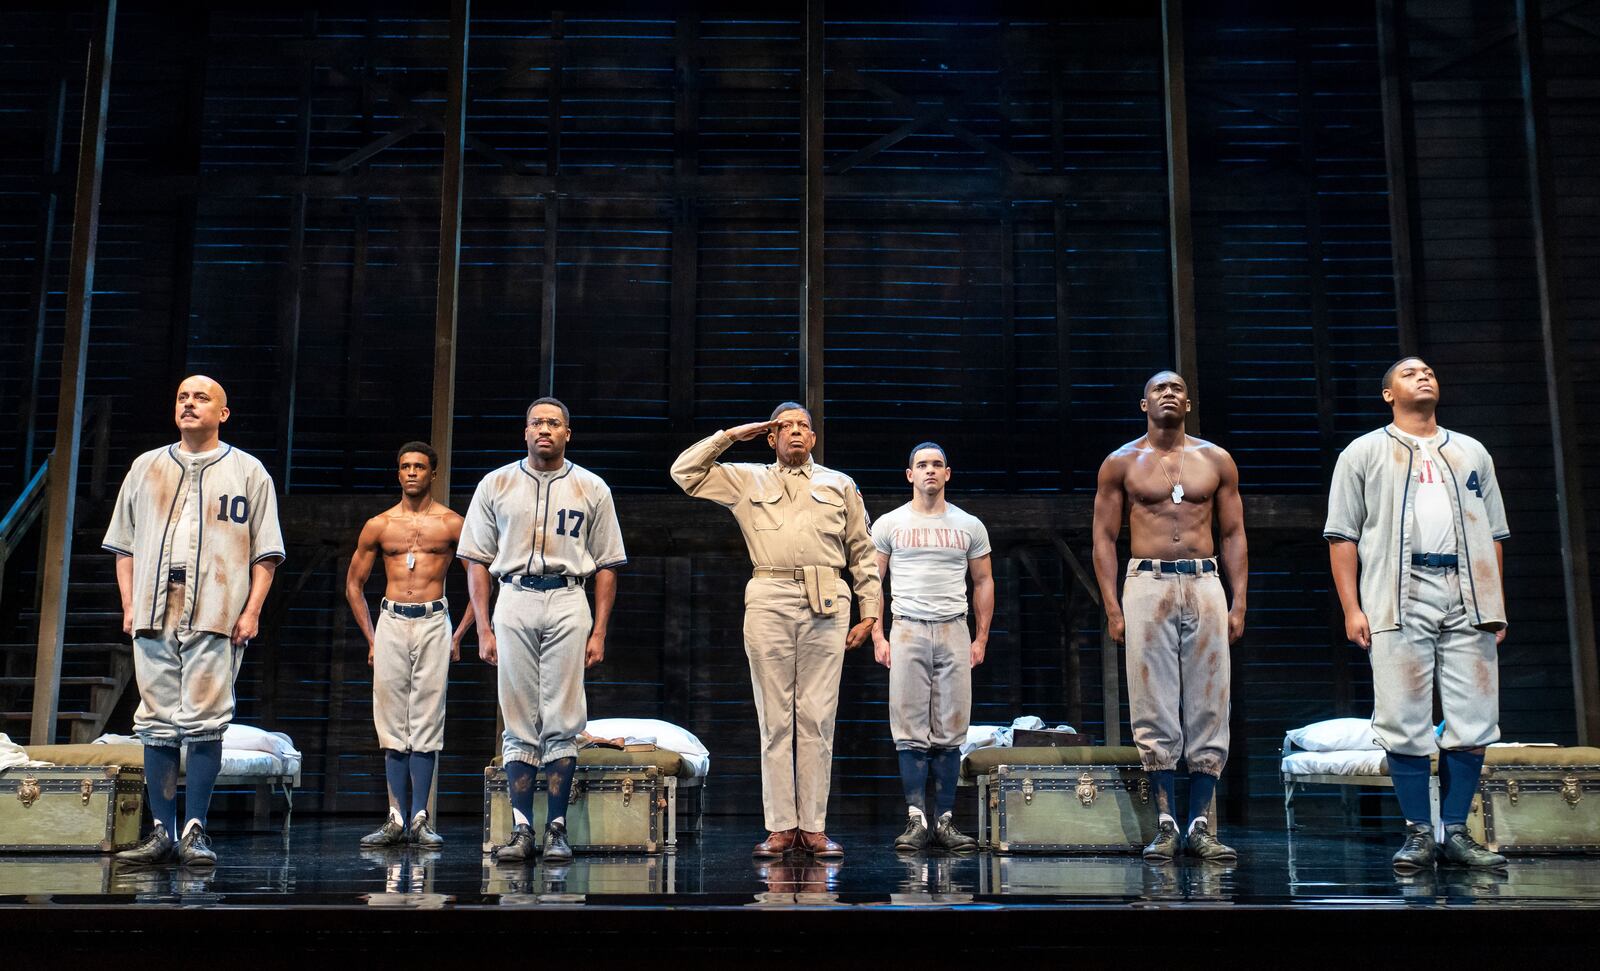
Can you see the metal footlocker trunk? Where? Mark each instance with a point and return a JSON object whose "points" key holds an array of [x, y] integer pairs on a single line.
{"points": [[1538, 808], [614, 808], [1066, 809], [70, 808]]}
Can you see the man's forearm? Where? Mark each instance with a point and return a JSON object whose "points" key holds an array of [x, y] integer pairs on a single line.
{"points": [[478, 587], [124, 570], [1105, 574], [261, 573], [1236, 564], [1344, 563], [982, 608], [355, 595], [605, 597]]}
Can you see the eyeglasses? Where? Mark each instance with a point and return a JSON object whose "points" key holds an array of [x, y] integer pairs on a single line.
{"points": [[554, 424]]}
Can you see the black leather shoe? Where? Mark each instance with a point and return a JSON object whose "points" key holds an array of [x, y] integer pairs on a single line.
{"points": [[194, 849], [1205, 845], [520, 847], [391, 833], [1166, 845], [158, 848], [421, 834], [948, 837], [1460, 849], [915, 837], [556, 849], [1419, 850]]}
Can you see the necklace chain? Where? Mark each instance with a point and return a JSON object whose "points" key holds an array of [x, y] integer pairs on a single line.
{"points": [[1183, 454]]}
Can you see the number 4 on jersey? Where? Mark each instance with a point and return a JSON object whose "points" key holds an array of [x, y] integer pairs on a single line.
{"points": [[1474, 484]]}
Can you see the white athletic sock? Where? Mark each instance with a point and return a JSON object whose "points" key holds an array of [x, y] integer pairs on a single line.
{"points": [[394, 814], [191, 824], [422, 814], [1199, 821], [517, 819], [944, 816], [1166, 818], [912, 812], [559, 819]]}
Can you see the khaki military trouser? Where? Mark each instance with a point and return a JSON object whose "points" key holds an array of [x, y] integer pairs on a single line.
{"points": [[1178, 668], [796, 657]]}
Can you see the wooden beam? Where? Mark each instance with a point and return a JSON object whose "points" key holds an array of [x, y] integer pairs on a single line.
{"points": [[811, 228], [1564, 425], [445, 308], [677, 640], [1180, 232], [186, 159], [56, 563], [1316, 267], [39, 309], [1008, 337], [1400, 169], [552, 147]]}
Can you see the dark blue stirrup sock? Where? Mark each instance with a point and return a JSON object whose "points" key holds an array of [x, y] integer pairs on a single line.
{"points": [[519, 784], [558, 782], [1458, 783], [205, 762], [161, 782], [396, 769], [1165, 782], [914, 776], [944, 765], [1410, 776], [421, 764], [1201, 788]]}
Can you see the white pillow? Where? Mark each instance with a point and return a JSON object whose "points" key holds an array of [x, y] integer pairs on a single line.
{"points": [[259, 740], [1336, 735]]}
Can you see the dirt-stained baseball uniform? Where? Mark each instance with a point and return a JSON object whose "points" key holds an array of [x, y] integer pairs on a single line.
{"points": [[194, 525], [802, 526], [557, 528]]}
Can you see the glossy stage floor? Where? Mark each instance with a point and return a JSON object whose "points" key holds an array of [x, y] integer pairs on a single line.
{"points": [[1310, 899]]}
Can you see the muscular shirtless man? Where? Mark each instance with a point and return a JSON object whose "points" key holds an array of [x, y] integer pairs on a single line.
{"points": [[407, 651], [1172, 612]]}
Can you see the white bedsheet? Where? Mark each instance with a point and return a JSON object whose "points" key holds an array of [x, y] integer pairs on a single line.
{"points": [[236, 762], [663, 734], [1349, 762]]}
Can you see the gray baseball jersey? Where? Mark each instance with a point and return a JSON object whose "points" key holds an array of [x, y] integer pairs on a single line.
{"points": [[235, 524], [524, 521]]}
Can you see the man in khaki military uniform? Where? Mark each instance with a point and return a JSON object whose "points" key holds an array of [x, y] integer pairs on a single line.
{"points": [[803, 524]]}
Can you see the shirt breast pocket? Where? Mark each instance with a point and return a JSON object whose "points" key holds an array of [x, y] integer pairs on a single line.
{"points": [[766, 512], [828, 511]]}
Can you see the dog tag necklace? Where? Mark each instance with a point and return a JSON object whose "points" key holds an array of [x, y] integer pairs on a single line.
{"points": [[411, 554], [1177, 487]]}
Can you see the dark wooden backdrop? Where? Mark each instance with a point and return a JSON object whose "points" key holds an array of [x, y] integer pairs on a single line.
{"points": [[1005, 215]]}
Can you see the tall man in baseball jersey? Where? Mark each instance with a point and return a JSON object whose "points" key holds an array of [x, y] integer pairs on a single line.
{"points": [[1172, 612], [803, 523], [538, 529], [411, 649], [195, 533], [1415, 524], [932, 545]]}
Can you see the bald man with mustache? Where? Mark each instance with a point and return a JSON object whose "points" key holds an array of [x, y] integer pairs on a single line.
{"points": [[195, 533]]}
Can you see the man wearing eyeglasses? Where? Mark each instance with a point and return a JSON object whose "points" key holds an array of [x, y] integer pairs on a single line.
{"points": [[803, 524], [539, 528]]}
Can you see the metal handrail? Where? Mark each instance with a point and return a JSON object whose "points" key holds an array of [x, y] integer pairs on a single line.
{"points": [[23, 513]]}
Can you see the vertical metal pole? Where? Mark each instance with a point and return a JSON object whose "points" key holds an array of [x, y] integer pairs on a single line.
{"points": [[1572, 518], [57, 561], [685, 223], [290, 286], [55, 127], [1065, 443], [1180, 231], [811, 232], [1400, 169], [1008, 335], [444, 331], [550, 290], [187, 161], [1316, 268]]}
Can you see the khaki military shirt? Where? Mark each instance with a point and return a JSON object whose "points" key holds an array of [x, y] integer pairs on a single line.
{"points": [[807, 516]]}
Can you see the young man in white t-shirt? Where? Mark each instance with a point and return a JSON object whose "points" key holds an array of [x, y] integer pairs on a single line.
{"points": [[931, 546], [1415, 526]]}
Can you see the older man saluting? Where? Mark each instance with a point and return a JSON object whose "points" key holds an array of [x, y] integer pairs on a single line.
{"points": [[803, 523]]}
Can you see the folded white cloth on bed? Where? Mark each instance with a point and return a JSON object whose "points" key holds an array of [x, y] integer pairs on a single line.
{"points": [[246, 751], [1349, 762], [1336, 735], [673, 738]]}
